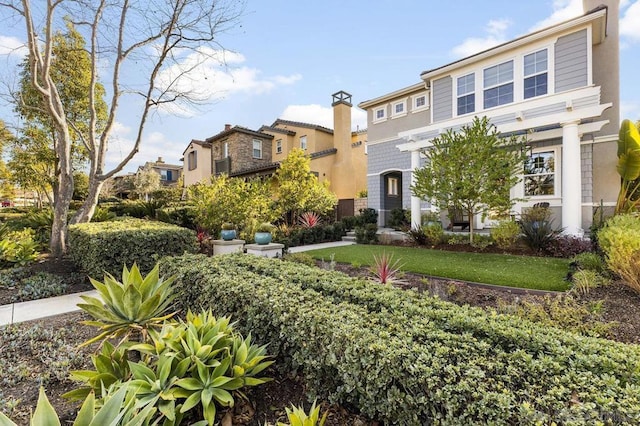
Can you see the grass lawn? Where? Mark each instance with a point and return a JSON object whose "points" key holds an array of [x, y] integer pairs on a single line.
{"points": [[540, 273]]}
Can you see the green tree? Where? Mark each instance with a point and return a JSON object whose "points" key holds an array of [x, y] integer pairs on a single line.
{"points": [[145, 182], [472, 170], [80, 186], [139, 48], [297, 190], [234, 200]]}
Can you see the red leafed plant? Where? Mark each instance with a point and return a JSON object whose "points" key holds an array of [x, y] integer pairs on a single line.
{"points": [[386, 270], [309, 219]]}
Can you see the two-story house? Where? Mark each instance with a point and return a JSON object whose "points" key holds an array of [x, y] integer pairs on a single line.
{"points": [[559, 86], [337, 155], [169, 173]]}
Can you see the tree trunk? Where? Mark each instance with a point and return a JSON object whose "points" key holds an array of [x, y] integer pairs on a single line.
{"points": [[470, 213], [88, 208], [58, 243]]}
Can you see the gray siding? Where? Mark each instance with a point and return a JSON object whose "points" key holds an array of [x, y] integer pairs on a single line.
{"points": [[442, 98], [586, 166], [571, 61], [386, 156]]}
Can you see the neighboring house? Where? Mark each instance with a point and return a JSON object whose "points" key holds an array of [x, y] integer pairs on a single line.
{"points": [[169, 173], [337, 155], [559, 86]]}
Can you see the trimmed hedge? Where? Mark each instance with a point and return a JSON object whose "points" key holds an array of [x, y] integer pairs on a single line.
{"points": [[409, 359], [106, 246]]}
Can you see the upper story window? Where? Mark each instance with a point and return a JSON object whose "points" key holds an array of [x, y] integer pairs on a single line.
{"points": [[420, 102], [380, 114], [535, 74], [303, 143], [399, 108], [466, 94], [279, 146], [192, 160], [498, 85], [166, 175], [225, 150], [257, 148]]}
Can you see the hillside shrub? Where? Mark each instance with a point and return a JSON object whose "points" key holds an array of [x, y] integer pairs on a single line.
{"points": [[106, 246], [184, 216], [620, 241], [505, 233], [433, 233], [405, 358]]}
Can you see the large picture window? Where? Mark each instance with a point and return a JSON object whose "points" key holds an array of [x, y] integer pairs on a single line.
{"points": [[539, 174], [498, 85], [466, 94], [535, 74]]}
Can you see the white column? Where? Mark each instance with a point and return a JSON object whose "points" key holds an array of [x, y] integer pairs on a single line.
{"points": [[571, 180], [416, 214]]}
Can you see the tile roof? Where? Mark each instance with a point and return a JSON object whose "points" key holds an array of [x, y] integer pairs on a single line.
{"points": [[301, 124]]}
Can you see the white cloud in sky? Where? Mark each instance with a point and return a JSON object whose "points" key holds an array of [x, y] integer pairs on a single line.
{"points": [[562, 11], [208, 75], [630, 110], [630, 22], [495, 34], [12, 46], [323, 116]]}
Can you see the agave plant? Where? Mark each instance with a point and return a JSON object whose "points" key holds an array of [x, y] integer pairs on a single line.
{"points": [[134, 305], [309, 219], [386, 270], [298, 417]]}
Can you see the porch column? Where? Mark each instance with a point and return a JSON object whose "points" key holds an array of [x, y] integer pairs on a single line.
{"points": [[416, 214], [571, 179]]}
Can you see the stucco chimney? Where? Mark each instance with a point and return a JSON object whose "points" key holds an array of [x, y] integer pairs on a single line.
{"points": [[227, 127], [343, 186], [159, 160]]}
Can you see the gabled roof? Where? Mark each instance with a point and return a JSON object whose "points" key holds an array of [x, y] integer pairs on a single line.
{"points": [[282, 122], [592, 15], [196, 142], [277, 130], [237, 129], [395, 94]]}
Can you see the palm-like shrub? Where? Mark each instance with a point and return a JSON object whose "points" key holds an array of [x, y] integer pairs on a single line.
{"points": [[133, 305], [298, 417], [309, 219], [537, 228], [386, 270]]}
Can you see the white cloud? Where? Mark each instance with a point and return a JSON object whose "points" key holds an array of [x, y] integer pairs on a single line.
{"points": [[630, 22], [209, 75], [496, 34], [630, 110], [12, 46], [323, 116], [562, 11]]}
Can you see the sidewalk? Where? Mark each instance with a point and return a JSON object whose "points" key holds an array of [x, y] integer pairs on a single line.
{"points": [[35, 309], [42, 308]]}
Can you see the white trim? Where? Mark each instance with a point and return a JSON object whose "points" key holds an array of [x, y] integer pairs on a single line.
{"points": [[279, 148], [375, 119], [557, 133], [385, 140], [253, 149], [512, 59], [557, 174], [606, 138], [402, 113], [414, 99], [590, 56], [385, 171], [306, 142]]}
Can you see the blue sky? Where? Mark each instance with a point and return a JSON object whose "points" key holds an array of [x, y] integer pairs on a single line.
{"points": [[287, 57]]}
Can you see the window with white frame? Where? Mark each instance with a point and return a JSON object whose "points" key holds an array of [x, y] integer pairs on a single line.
{"points": [[257, 148], [535, 74], [466, 94], [225, 150], [540, 174], [419, 103], [380, 114], [192, 160], [399, 108], [303, 143], [279, 146], [498, 85], [392, 186]]}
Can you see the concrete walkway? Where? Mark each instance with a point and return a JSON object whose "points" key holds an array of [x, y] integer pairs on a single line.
{"points": [[42, 308], [35, 309]]}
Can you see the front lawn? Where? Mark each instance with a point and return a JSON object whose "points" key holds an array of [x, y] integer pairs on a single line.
{"points": [[541, 273]]}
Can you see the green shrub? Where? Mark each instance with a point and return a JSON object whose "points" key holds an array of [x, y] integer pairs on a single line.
{"points": [[107, 246], [102, 214], [18, 248], [454, 239], [40, 286], [184, 216], [398, 218], [620, 241], [585, 280], [367, 234], [590, 262], [366, 216], [349, 222], [405, 358], [433, 233], [505, 233], [303, 258], [537, 228]]}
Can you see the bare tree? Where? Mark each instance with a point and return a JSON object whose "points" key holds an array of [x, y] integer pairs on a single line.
{"points": [[136, 48]]}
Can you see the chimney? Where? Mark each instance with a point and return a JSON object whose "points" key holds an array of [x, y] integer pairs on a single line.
{"points": [[343, 186], [159, 160], [227, 127]]}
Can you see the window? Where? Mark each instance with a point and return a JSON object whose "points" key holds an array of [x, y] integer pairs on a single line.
{"points": [[192, 160], [535, 74], [379, 114], [539, 174], [466, 94], [399, 109], [498, 85], [303, 143], [166, 175], [419, 102], [392, 186], [225, 150], [279, 146], [257, 148]]}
